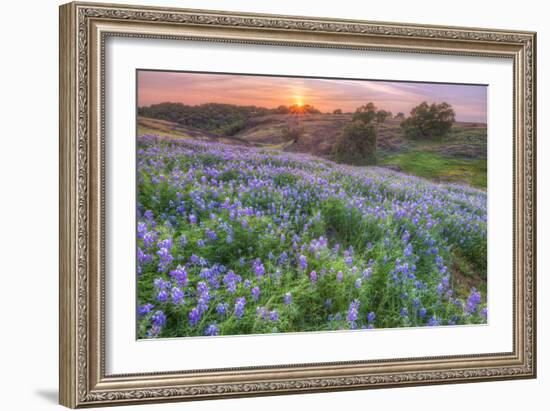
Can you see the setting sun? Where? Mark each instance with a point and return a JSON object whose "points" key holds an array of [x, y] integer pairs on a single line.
{"points": [[298, 101]]}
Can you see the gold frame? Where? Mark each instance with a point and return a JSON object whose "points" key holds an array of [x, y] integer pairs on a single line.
{"points": [[84, 27]]}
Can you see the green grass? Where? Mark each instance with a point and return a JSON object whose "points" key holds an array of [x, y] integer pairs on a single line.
{"points": [[435, 166]]}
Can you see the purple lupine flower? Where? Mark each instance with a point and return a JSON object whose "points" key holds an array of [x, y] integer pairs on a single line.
{"points": [[192, 219], [303, 262], [149, 239], [339, 276], [404, 312], [149, 215], [283, 258], [358, 283], [261, 312], [194, 316], [407, 252], [162, 296], [484, 312], [367, 273], [161, 284], [158, 318], [221, 308], [433, 321], [353, 311], [240, 303], [180, 275], [166, 243], [212, 330], [288, 298], [165, 259], [474, 299], [141, 230], [274, 316], [422, 312], [145, 309], [328, 303], [255, 291], [177, 296], [143, 258], [371, 317], [230, 280], [258, 268], [212, 236], [348, 260], [203, 297], [313, 277]]}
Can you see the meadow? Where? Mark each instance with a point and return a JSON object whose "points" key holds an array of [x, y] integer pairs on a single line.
{"points": [[240, 239]]}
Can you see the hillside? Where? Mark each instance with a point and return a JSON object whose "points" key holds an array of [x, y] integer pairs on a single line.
{"points": [[246, 240], [459, 158], [168, 128]]}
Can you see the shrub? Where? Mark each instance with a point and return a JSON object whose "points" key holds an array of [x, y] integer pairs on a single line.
{"points": [[232, 128], [303, 109], [382, 115], [281, 110], [429, 121], [366, 113], [357, 144], [337, 111], [292, 133]]}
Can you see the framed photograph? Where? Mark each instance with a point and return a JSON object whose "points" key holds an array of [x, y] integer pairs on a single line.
{"points": [[259, 204]]}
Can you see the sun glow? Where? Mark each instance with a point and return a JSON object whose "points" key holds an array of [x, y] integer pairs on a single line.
{"points": [[298, 100]]}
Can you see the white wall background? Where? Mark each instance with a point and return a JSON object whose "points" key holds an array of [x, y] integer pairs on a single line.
{"points": [[28, 205]]}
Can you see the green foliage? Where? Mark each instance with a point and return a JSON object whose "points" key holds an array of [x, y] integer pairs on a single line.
{"points": [[439, 167], [226, 119], [357, 144], [232, 128], [216, 118], [382, 115], [429, 121], [365, 113], [292, 133]]}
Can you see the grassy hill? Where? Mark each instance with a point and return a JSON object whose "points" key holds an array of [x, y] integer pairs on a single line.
{"points": [[153, 126], [459, 158]]}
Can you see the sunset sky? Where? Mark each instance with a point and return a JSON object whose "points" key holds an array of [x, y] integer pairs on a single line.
{"points": [[468, 101]]}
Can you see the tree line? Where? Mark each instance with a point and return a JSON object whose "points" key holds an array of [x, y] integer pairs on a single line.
{"points": [[357, 144], [217, 118]]}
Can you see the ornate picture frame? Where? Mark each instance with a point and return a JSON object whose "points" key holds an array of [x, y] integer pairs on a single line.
{"points": [[84, 29]]}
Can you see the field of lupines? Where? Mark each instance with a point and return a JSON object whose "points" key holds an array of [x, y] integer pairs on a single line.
{"points": [[236, 240]]}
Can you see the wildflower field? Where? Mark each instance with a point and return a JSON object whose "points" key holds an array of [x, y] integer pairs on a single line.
{"points": [[240, 240]]}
